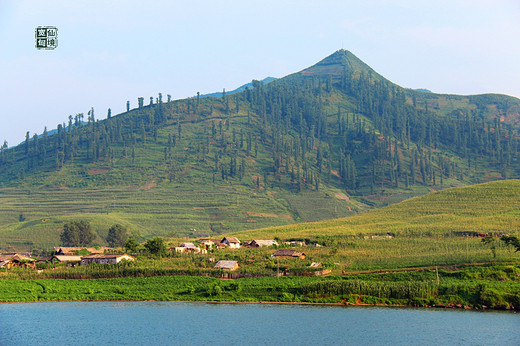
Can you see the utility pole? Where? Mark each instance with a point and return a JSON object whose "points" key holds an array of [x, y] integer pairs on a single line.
{"points": [[467, 248]]}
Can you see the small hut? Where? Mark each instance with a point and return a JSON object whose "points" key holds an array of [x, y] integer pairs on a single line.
{"points": [[13, 259], [289, 254], [227, 265]]}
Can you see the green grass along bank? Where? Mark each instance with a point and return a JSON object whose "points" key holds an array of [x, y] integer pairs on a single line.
{"points": [[481, 287]]}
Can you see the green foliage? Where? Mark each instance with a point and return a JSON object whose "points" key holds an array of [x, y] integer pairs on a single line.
{"points": [[77, 233], [512, 241], [117, 235], [489, 240], [156, 247], [131, 245], [214, 290], [401, 290], [405, 288], [82, 252]]}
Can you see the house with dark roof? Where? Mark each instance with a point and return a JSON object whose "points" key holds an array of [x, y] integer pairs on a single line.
{"points": [[288, 254]]}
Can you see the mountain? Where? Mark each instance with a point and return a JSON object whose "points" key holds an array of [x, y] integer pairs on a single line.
{"points": [[330, 141], [240, 88], [340, 63]]}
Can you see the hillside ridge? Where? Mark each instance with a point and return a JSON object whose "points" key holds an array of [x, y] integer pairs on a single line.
{"points": [[330, 141]]}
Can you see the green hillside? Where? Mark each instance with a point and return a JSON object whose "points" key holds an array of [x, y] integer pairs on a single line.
{"points": [[492, 207], [441, 228], [330, 141]]}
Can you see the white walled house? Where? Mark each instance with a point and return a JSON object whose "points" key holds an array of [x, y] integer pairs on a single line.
{"points": [[232, 242], [105, 259]]}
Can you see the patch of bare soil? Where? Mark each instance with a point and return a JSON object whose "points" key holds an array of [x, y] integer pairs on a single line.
{"points": [[148, 186], [336, 173], [340, 195], [99, 170]]}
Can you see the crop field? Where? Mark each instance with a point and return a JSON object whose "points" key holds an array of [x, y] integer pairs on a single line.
{"points": [[492, 287], [166, 210], [491, 207]]}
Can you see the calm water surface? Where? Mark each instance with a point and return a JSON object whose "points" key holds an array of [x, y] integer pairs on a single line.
{"points": [[171, 323]]}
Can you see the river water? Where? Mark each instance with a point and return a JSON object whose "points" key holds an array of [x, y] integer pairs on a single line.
{"points": [[174, 323]]}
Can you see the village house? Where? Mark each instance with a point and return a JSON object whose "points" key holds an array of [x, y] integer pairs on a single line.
{"points": [[288, 253], [295, 243], [232, 242], [13, 259], [105, 259], [43, 259], [207, 243], [73, 250], [260, 243], [227, 265], [71, 259], [189, 248]]}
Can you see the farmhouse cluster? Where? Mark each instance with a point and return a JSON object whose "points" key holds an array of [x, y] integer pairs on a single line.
{"points": [[68, 255], [234, 243], [72, 256]]}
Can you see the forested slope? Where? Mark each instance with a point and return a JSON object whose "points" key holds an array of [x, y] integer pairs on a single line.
{"points": [[329, 141]]}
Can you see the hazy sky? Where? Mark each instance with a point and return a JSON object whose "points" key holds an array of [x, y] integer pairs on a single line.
{"points": [[113, 51]]}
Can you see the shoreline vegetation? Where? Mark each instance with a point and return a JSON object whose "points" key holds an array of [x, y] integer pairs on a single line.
{"points": [[489, 286]]}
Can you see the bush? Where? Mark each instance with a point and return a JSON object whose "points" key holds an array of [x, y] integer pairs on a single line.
{"points": [[214, 290], [493, 299]]}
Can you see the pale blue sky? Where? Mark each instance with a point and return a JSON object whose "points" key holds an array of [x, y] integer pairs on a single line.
{"points": [[113, 51]]}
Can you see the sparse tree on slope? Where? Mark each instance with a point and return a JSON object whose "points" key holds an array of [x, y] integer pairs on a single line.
{"points": [[77, 233], [117, 235], [156, 246]]}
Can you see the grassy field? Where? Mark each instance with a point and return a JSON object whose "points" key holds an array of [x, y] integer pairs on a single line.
{"points": [[437, 229], [489, 207]]}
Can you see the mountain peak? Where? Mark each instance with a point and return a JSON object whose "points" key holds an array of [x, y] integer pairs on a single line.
{"points": [[337, 62]]}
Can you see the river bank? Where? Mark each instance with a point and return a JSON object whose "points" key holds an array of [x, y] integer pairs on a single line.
{"points": [[417, 289], [261, 303]]}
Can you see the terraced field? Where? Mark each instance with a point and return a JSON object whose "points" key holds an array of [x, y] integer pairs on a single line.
{"points": [[165, 210]]}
